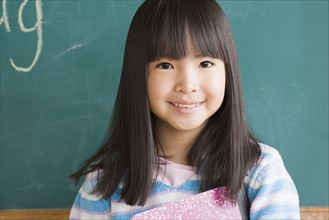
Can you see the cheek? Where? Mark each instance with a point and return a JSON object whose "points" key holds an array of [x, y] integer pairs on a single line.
{"points": [[157, 89], [216, 87], [215, 92]]}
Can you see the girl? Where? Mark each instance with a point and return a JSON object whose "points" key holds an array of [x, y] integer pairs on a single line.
{"points": [[178, 127]]}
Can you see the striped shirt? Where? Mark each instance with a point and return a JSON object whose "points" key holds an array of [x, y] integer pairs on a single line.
{"points": [[270, 192]]}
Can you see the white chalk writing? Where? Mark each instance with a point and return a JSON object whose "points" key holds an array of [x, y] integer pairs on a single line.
{"points": [[4, 18], [37, 27]]}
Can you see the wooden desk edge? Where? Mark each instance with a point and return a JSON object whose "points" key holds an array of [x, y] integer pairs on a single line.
{"points": [[35, 214], [307, 213]]}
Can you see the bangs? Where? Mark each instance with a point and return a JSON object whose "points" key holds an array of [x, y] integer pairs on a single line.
{"points": [[179, 28]]}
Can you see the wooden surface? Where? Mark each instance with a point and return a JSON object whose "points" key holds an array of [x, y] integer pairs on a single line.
{"points": [[49, 214], [314, 213], [307, 213]]}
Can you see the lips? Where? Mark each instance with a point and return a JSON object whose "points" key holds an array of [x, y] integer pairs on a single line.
{"points": [[186, 105], [186, 108]]}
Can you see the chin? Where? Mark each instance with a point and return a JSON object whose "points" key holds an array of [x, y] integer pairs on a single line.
{"points": [[190, 126]]}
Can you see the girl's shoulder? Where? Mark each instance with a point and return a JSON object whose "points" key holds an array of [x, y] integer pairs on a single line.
{"points": [[268, 166], [90, 181], [268, 154]]}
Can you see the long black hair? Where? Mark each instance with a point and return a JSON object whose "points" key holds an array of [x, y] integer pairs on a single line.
{"points": [[224, 150]]}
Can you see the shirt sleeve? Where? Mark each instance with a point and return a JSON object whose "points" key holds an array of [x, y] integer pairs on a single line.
{"points": [[271, 191], [88, 205]]}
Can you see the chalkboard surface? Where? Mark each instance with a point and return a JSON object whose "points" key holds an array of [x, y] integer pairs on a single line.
{"points": [[60, 67]]}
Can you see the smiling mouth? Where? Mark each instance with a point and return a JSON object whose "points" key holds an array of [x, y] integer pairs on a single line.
{"points": [[180, 105]]}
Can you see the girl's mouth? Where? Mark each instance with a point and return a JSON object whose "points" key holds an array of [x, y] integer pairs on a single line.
{"points": [[186, 108], [192, 105]]}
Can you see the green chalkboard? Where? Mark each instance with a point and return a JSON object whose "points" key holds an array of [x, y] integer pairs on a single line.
{"points": [[59, 81]]}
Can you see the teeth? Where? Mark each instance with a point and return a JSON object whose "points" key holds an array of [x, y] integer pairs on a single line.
{"points": [[186, 105]]}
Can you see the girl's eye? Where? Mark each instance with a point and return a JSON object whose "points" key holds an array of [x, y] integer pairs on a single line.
{"points": [[165, 66], [206, 64]]}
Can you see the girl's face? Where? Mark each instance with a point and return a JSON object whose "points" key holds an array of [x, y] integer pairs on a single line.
{"points": [[185, 93]]}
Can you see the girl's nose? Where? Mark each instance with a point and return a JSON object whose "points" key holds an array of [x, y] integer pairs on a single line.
{"points": [[187, 82]]}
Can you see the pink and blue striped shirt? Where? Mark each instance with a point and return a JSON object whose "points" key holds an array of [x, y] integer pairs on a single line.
{"points": [[269, 192]]}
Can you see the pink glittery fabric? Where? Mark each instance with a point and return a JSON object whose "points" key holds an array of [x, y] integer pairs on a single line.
{"points": [[212, 204]]}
